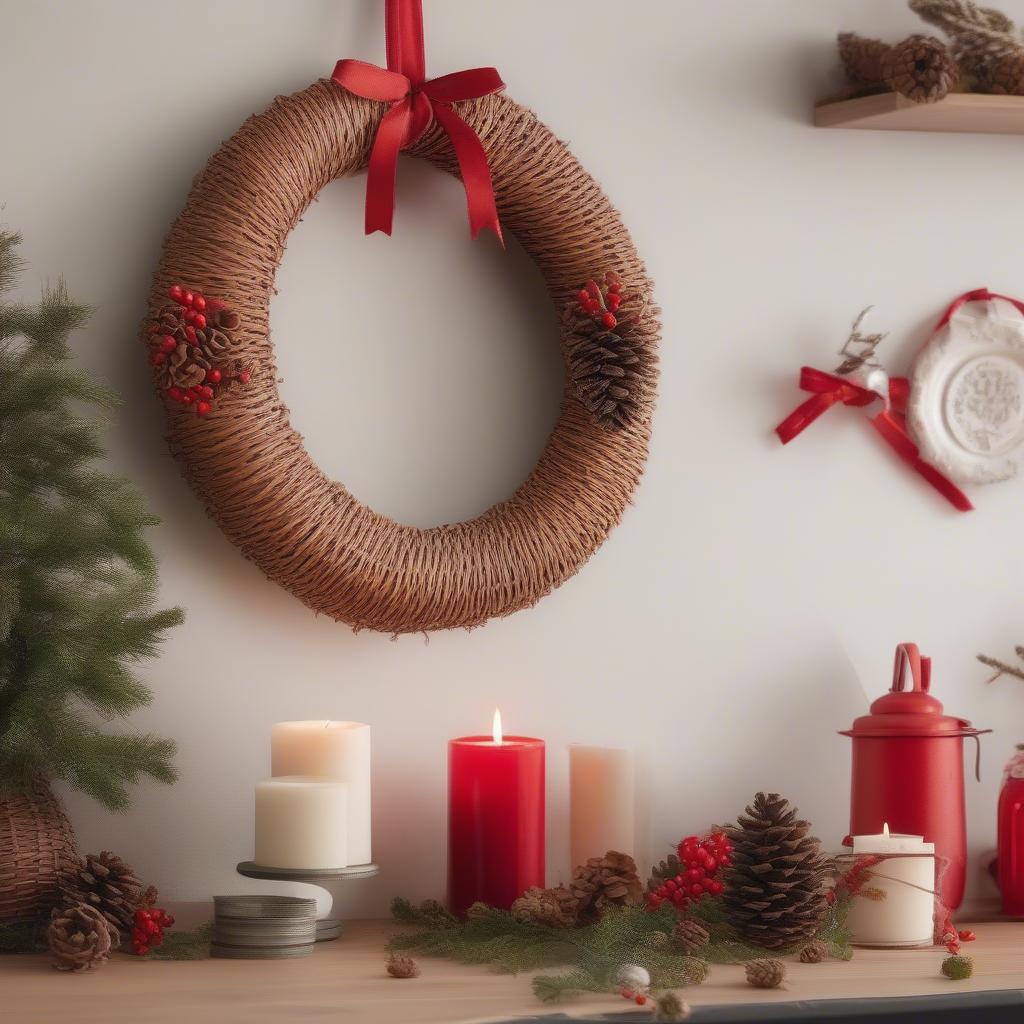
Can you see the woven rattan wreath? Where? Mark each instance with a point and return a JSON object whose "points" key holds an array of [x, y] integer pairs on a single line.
{"points": [[209, 338]]}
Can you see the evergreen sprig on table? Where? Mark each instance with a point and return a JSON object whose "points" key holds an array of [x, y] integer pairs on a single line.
{"points": [[77, 579], [593, 953]]}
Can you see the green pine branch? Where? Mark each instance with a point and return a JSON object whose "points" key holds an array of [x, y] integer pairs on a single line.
{"points": [[78, 581]]}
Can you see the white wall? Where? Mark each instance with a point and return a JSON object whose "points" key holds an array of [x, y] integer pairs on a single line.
{"points": [[753, 595]]}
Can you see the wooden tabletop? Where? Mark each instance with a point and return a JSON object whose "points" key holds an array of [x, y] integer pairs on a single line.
{"points": [[344, 980]]}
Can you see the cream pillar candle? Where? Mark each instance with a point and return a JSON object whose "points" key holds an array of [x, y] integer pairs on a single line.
{"points": [[906, 877], [601, 795], [332, 750], [302, 822]]}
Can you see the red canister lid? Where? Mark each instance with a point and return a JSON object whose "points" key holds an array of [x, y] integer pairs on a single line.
{"points": [[909, 712]]}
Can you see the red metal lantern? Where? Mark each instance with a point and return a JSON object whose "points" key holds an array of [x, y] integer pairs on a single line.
{"points": [[908, 770]]}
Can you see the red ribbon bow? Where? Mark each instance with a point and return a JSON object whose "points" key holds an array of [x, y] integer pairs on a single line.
{"points": [[828, 390], [415, 104], [978, 295]]}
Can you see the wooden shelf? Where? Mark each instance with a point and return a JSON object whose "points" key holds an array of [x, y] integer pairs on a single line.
{"points": [[958, 112]]}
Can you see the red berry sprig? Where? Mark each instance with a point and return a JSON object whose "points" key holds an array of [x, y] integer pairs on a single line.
{"points": [[148, 929], [602, 302], [702, 859]]}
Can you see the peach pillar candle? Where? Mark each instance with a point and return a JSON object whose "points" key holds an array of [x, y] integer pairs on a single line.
{"points": [[331, 750], [601, 794]]}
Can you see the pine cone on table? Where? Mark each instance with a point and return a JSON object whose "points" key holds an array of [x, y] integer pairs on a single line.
{"points": [[556, 907], [80, 938], [108, 884], [1006, 76], [690, 936], [401, 966], [604, 882], [765, 973], [664, 870], [774, 890], [814, 953]]}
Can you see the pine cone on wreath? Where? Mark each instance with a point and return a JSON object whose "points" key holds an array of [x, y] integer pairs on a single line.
{"points": [[604, 882], [765, 973], [611, 361], [774, 892], [556, 907], [690, 936], [107, 884], [80, 938]]}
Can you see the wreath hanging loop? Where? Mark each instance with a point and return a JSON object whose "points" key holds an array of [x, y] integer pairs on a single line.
{"points": [[249, 465]]}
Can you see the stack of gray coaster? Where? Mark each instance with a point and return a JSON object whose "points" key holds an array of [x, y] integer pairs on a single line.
{"points": [[263, 927]]}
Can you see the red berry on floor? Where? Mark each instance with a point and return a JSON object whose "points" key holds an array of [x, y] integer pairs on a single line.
{"points": [[202, 408], [157, 358], [626, 993], [199, 321], [966, 935], [198, 302], [609, 320], [176, 292], [245, 376], [214, 376], [188, 298], [640, 1000]]}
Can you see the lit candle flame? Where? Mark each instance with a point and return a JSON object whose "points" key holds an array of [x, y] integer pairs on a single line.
{"points": [[885, 829], [496, 726]]}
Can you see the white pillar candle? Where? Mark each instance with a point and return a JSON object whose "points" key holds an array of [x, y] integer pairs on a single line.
{"points": [[301, 822], [330, 750], [903, 915], [601, 796]]}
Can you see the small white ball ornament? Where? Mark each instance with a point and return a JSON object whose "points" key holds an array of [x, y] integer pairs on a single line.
{"points": [[632, 977]]}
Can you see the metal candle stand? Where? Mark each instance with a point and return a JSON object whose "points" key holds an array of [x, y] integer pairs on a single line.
{"points": [[330, 879]]}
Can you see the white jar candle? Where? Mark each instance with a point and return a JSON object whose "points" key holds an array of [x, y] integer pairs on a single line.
{"points": [[330, 750], [900, 905], [601, 797], [301, 822]]}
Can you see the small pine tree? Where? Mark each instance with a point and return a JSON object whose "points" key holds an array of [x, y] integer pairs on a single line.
{"points": [[77, 579]]}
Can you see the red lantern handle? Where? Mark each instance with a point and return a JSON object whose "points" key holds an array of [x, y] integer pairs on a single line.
{"points": [[920, 669]]}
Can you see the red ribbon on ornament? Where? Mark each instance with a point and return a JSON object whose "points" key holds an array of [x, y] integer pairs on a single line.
{"points": [[416, 103], [827, 390], [978, 295]]}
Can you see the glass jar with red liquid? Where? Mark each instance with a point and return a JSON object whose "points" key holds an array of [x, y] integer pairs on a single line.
{"points": [[1010, 871]]}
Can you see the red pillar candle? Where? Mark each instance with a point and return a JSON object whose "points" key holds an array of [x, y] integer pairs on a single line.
{"points": [[495, 818]]}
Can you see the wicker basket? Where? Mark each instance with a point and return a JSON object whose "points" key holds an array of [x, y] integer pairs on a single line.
{"points": [[37, 845]]}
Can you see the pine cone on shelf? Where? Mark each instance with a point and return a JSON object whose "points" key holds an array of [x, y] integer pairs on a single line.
{"points": [[765, 973], [919, 67], [814, 953], [80, 938], [556, 907], [690, 936], [774, 890], [604, 882], [108, 884], [1006, 76]]}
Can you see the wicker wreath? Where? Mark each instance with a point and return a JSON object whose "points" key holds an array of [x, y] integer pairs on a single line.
{"points": [[212, 355]]}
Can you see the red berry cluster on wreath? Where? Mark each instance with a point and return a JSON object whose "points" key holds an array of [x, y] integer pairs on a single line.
{"points": [[601, 302], [148, 930], [188, 326], [701, 859]]}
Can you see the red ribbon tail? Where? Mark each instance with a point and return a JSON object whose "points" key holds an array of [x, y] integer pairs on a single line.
{"points": [[894, 433], [476, 173], [383, 167], [804, 415]]}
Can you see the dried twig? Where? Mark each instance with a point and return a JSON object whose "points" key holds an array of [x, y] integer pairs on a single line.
{"points": [[859, 349], [1001, 667]]}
